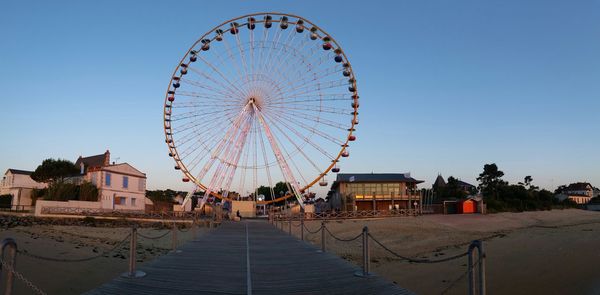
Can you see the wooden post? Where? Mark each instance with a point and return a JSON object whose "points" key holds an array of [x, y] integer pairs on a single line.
{"points": [[133, 273], [302, 228], [290, 227], [11, 261], [323, 236], [174, 237]]}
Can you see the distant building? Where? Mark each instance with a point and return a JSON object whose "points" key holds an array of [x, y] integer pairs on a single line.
{"points": [[374, 191], [579, 192], [440, 183], [19, 184], [120, 186]]}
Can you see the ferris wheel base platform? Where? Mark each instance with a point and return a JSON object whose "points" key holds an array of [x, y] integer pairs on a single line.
{"points": [[249, 257]]}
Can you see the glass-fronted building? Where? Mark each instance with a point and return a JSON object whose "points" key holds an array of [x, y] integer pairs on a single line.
{"points": [[374, 191]]}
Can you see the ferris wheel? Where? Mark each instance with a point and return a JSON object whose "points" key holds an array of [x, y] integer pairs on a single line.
{"points": [[260, 99]]}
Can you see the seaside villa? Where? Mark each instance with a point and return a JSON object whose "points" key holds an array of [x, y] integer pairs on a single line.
{"points": [[374, 191], [580, 193], [121, 187]]}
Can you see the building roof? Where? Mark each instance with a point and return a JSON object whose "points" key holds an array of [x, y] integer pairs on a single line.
{"points": [[374, 177], [578, 186], [95, 161], [439, 182], [462, 183], [17, 171]]}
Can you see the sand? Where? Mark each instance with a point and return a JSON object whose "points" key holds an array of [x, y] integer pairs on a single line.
{"points": [[59, 241], [546, 252]]}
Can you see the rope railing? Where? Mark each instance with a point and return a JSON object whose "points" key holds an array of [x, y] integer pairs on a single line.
{"points": [[366, 237], [341, 239], [154, 238], [416, 260], [40, 257], [21, 277]]}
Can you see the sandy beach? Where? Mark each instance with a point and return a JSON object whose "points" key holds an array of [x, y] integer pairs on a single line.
{"points": [[73, 242], [545, 252]]}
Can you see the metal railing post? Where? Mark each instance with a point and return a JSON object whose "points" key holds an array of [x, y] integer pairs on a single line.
{"points": [[302, 228], [12, 252], [366, 252], [481, 265], [133, 273], [174, 237], [323, 236]]}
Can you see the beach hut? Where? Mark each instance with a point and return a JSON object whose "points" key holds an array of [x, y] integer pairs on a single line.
{"points": [[467, 206]]}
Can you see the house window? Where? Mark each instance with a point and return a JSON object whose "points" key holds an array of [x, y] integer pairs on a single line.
{"points": [[107, 179], [120, 200], [132, 202], [125, 181], [141, 185]]}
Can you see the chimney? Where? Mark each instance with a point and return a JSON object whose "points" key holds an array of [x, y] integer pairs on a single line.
{"points": [[107, 158]]}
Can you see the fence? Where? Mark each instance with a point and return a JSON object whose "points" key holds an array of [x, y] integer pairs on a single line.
{"points": [[476, 282], [343, 214], [9, 248]]}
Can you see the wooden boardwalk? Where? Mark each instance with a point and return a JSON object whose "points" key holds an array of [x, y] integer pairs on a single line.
{"points": [[250, 257]]}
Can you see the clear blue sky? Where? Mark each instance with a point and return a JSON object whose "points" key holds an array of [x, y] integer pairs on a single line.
{"points": [[446, 86]]}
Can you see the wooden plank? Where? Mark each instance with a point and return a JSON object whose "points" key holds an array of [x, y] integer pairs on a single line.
{"points": [[218, 263]]}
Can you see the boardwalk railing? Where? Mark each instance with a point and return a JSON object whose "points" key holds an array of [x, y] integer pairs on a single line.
{"points": [[474, 286], [8, 264], [344, 214]]}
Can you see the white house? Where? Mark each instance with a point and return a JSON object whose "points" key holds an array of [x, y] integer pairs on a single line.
{"points": [[580, 193], [19, 184], [120, 186]]}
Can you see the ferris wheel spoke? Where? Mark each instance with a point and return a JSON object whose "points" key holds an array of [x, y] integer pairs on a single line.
{"points": [[291, 160], [318, 119], [285, 169], [232, 60], [242, 56], [310, 88], [297, 147], [313, 109], [314, 131], [272, 63], [197, 116], [231, 90], [266, 161], [216, 69], [199, 84], [303, 137], [294, 51], [231, 158], [316, 76], [203, 95]]}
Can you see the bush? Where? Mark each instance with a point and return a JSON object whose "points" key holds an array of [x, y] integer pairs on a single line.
{"points": [[61, 191], [6, 201], [88, 192]]}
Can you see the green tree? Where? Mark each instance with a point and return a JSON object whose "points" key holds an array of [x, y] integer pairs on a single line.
{"points": [[490, 181], [281, 189], [54, 170]]}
